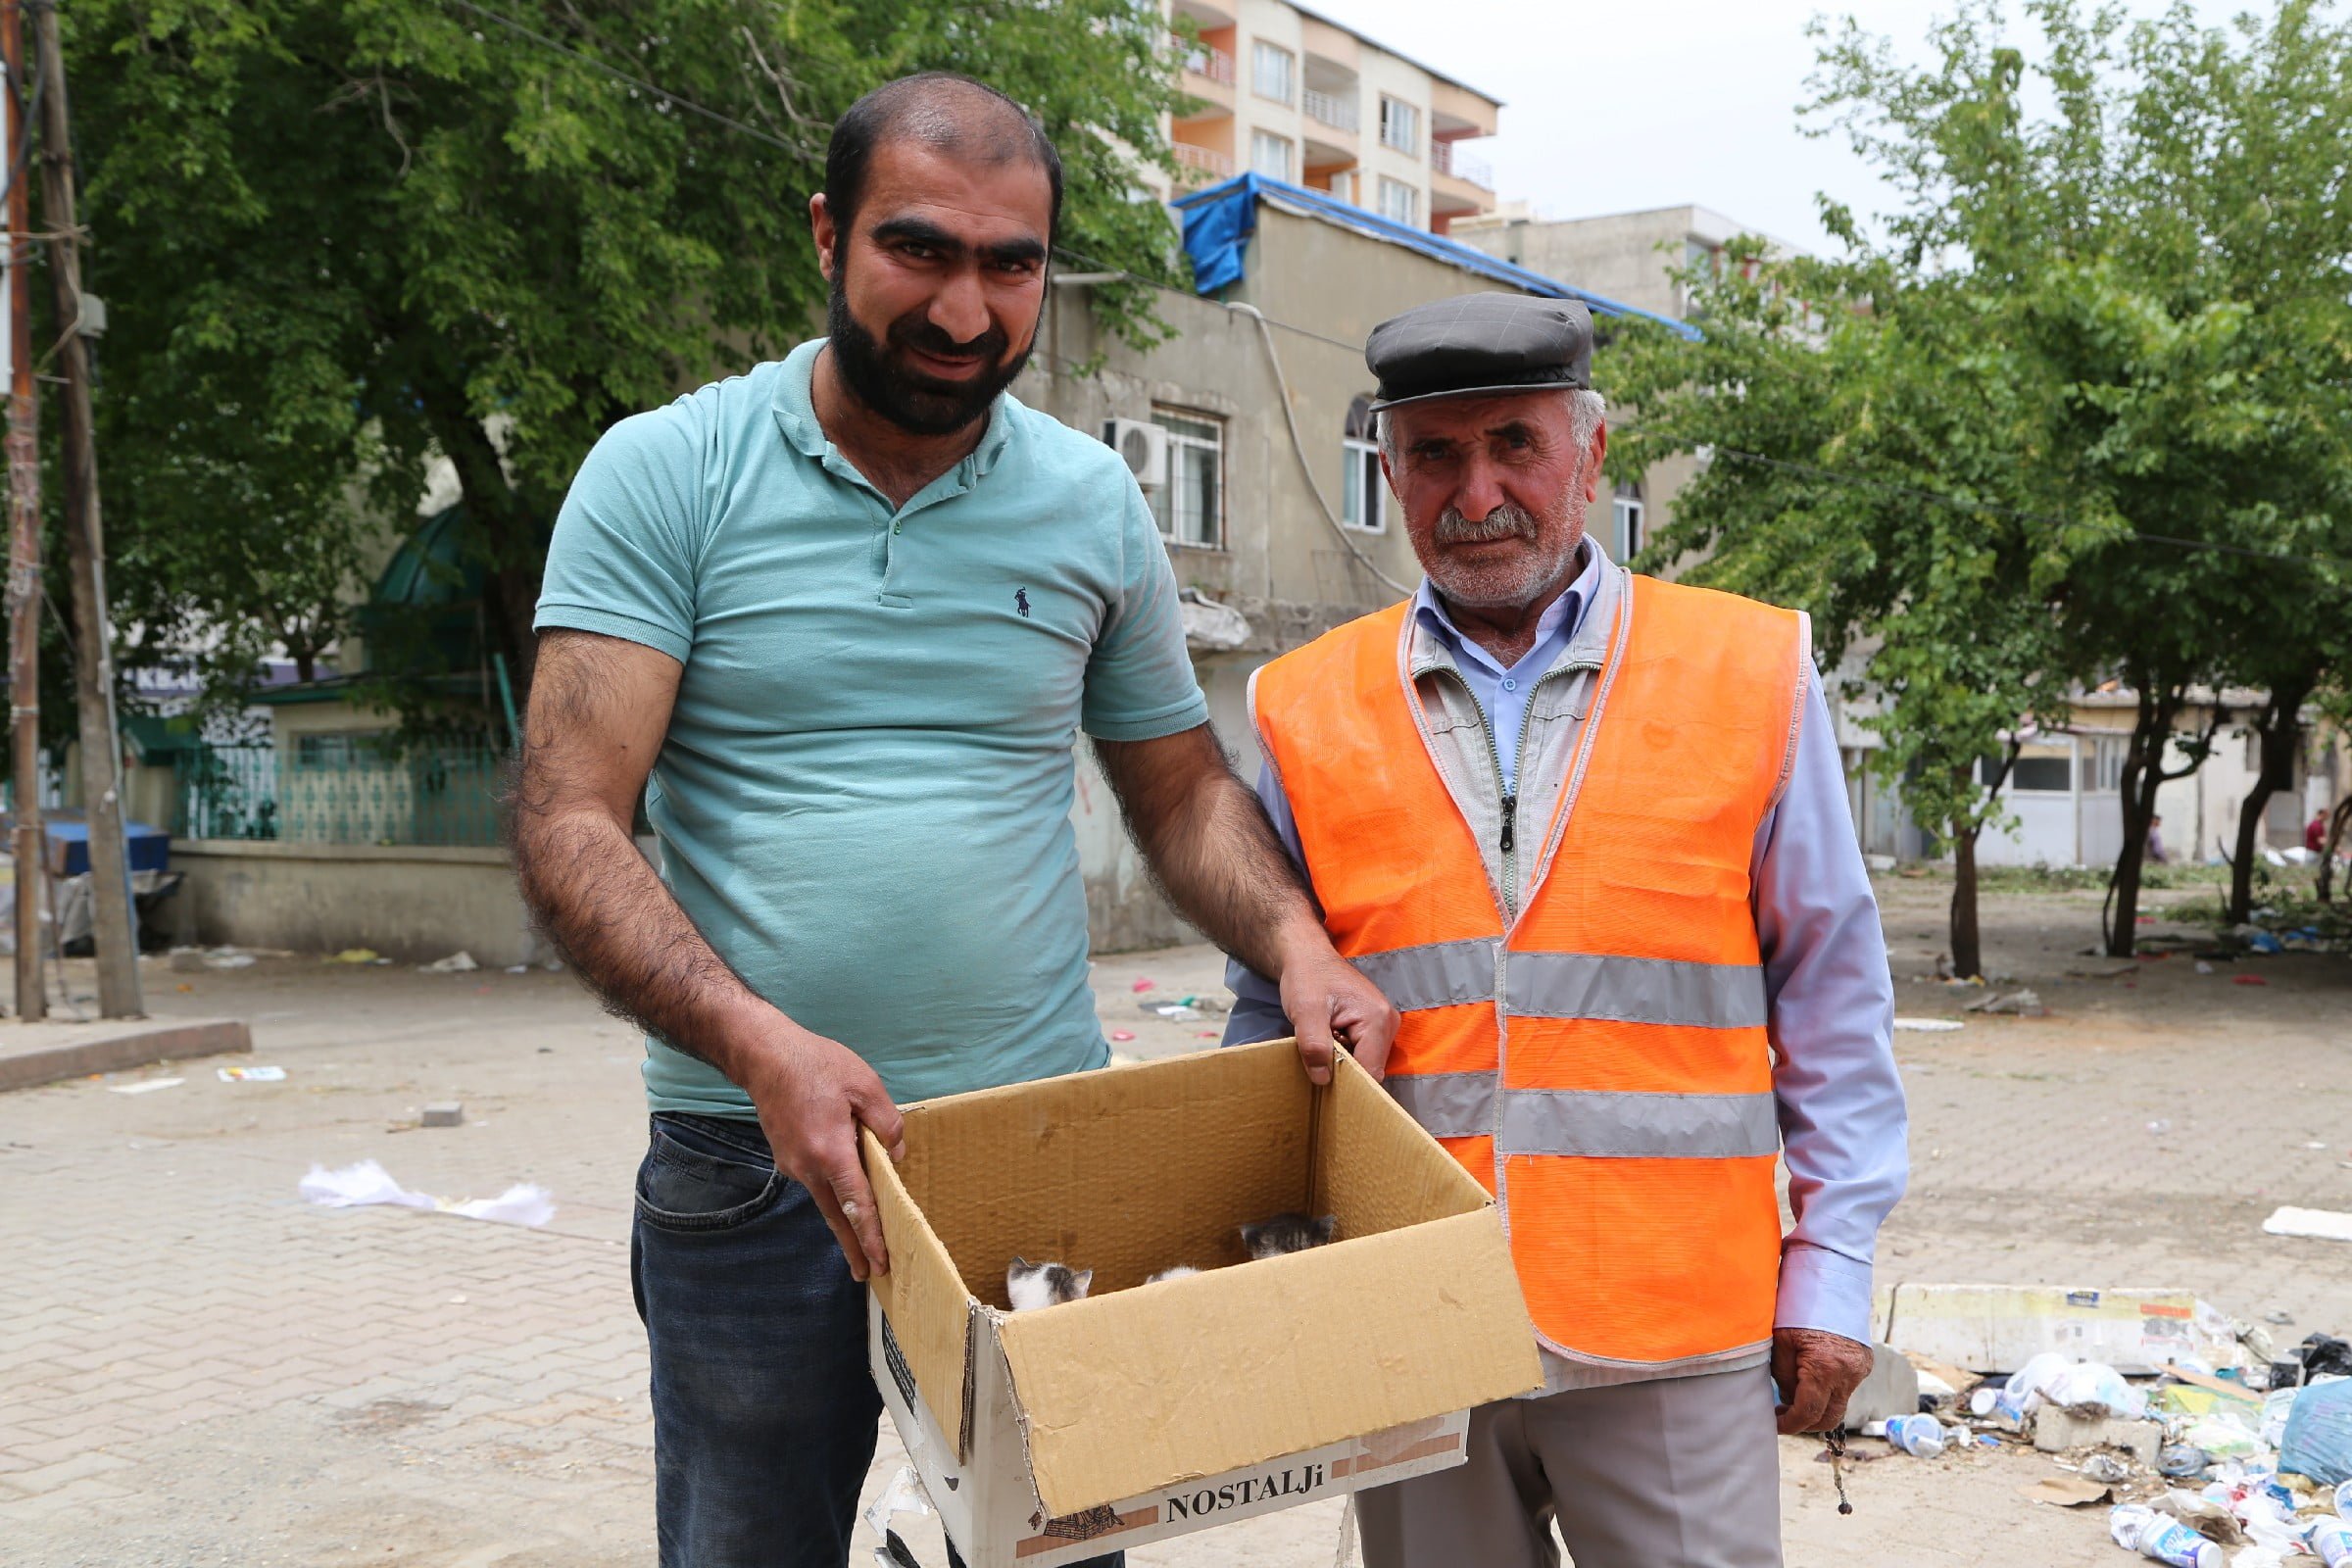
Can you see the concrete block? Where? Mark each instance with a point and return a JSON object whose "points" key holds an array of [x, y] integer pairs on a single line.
{"points": [[2056, 1431], [48, 1052], [448, 1114], [1890, 1389]]}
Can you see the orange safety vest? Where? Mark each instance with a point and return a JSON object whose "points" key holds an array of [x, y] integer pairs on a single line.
{"points": [[1602, 1065]]}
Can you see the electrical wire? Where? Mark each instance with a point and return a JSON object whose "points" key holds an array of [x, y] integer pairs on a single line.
{"points": [[1267, 323], [638, 82]]}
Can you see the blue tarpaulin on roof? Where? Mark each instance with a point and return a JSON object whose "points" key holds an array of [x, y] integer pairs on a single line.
{"points": [[1219, 220]]}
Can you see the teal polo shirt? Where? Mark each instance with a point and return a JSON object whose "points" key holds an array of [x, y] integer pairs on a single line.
{"points": [[863, 800]]}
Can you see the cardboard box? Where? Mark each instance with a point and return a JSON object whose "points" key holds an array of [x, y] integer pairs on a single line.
{"points": [[1139, 1413], [1999, 1328]]}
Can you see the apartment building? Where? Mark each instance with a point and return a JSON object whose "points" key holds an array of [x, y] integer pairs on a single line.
{"points": [[1286, 92]]}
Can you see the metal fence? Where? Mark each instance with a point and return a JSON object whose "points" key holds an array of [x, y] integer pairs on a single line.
{"points": [[338, 789]]}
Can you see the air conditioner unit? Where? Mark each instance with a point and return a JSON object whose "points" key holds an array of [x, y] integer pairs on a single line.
{"points": [[1144, 446]]}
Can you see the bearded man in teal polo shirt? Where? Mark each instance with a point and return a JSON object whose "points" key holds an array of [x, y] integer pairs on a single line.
{"points": [[839, 620]]}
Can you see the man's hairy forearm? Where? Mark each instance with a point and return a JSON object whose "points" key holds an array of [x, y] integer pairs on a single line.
{"points": [[596, 898], [1210, 845]]}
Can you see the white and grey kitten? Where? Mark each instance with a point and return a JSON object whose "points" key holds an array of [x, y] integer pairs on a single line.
{"points": [[1289, 1233], [1180, 1271], [1030, 1286]]}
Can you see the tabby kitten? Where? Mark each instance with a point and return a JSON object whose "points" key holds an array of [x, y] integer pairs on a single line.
{"points": [[1289, 1233]]}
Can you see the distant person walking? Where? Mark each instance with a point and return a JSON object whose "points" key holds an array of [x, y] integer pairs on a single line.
{"points": [[838, 621], [2156, 852]]}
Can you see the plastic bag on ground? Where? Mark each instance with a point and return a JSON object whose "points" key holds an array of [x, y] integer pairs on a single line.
{"points": [[2317, 1441], [2094, 1383], [367, 1182]]}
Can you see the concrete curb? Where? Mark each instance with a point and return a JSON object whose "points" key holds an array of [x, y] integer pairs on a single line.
{"points": [[110, 1047]]}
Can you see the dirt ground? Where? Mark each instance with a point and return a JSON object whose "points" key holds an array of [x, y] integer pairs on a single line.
{"points": [[196, 1367]]}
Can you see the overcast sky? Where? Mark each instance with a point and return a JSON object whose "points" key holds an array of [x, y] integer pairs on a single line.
{"points": [[1613, 106]]}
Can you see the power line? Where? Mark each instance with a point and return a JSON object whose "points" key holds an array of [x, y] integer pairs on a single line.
{"points": [[1833, 475], [638, 82]]}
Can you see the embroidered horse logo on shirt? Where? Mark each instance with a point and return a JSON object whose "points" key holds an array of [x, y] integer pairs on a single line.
{"points": [[1020, 602]]}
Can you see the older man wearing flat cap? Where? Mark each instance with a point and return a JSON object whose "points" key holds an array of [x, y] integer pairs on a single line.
{"points": [[1588, 831]]}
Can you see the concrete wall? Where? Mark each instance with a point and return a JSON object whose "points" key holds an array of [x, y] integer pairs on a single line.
{"points": [[407, 902]]}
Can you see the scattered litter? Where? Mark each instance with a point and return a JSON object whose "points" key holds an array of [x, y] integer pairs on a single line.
{"points": [[146, 1086], [356, 955], [1214, 1006], [2318, 1441], [519, 968], [2159, 1126], [2247, 980], [443, 1113], [459, 962], [2182, 1461], [1920, 1435], [2259, 941], [2066, 1492], [2203, 967], [2280, 1318], [2106, 1468], [2328, 1225], [1928, 1026], [1146, 984], [2318, 1355], [1122, 1035], [227, 959], [367, 1182], [2136, 1527], [2025, 1004], [1174, 1011], [251, 1075]]}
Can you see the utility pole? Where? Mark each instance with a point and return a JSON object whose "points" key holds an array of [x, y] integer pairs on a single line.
{"points": [[85, 544], [24, 534]]}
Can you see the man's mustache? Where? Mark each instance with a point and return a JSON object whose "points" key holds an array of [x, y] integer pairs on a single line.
{"points": [[1505, 522], [916, 332]]}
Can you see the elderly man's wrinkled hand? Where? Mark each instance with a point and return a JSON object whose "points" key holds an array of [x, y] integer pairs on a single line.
{"points": [[1817, 1372]]}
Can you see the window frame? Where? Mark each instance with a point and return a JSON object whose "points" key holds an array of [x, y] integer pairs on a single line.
{"points": [[1628, 501], [1262, 138], [1412, 194], [1179, 442], [1359, 461], [1408, 114], [1261, 51]]}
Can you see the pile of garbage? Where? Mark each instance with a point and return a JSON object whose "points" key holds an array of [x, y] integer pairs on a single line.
{"points": [[2238, 1458]]}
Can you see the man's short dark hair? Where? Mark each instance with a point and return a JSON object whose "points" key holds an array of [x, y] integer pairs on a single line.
{"points": [[942, 108]]}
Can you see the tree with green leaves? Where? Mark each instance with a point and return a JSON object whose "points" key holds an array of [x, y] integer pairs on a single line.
{"points": [[2165, 250], [341, 237]]}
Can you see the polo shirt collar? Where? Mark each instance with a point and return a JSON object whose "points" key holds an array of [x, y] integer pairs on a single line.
{"points": [[796, 412]]}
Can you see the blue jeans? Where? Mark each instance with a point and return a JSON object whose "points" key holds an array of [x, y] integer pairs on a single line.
{"points": [[764, 1414]]}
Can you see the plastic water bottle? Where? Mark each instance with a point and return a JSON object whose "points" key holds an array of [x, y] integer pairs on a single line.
{"points": [[2332, 1538], [2136, 1527], [1920, 1435], [2344, 1500]]}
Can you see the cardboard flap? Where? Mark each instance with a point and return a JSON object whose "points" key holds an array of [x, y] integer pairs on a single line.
{"points": [[1123, 1394], [929, 1312]]}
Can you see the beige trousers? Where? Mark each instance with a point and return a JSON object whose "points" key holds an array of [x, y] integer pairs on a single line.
{"points": [[1676, 1473]]}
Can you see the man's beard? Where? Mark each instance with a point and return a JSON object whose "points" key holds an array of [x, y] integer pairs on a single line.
{"points": [[880, 377], [1498, 587]]}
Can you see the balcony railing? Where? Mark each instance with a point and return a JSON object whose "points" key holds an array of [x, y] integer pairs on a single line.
{"points": [[1207, 59], [1460, 164], [1331, 108], [1200, 166]]}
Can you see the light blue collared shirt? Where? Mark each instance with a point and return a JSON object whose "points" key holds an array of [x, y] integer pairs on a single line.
{"points": [[1503, 692], [1845, 1132]]}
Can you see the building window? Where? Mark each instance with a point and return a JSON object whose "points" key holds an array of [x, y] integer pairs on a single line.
{"points": [[2042, 768], [1633, 517], [1190, 506], [1400, 126], [1364, 492], [1273, 72], [1399, 202], [2107, 764], [1271, 155]]}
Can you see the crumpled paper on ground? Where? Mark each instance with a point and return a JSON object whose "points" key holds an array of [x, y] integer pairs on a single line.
{"points": [[367, 1182]]}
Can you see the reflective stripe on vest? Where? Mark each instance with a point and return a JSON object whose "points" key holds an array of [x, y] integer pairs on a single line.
{"points": [[1571, 985], [1592, 1124], [1601, 1061]]}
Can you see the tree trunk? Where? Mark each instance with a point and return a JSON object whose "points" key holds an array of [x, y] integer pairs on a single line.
{"points": [[2143, 776], [1968, 957], [2281, 730], [512, 568]]}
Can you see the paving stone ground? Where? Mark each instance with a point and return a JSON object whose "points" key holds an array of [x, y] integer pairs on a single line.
{"points": [[198, 1368]]}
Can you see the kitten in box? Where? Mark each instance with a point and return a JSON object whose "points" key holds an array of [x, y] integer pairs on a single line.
{"points": [[1030, 1286], [1289, 1233]]}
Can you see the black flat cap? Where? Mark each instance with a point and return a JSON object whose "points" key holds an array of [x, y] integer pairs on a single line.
{"points": [[1478, 345]]}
